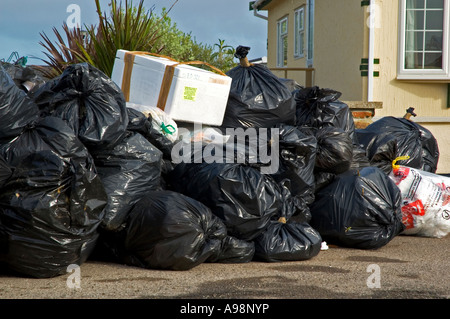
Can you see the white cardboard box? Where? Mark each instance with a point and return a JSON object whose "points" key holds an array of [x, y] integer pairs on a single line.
{"points": [[194, 95]]}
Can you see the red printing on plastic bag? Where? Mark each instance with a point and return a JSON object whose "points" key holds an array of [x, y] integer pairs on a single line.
{"points": [[410, 209]]}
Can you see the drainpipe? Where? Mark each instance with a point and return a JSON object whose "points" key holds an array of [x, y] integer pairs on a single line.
{"points": [[371, 51], [255, 10]]}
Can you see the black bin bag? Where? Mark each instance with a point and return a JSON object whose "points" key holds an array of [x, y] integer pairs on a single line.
{"points": [[320, 107], [5, 172], [89, 101], [142, 124], [26, 78], [233, 251], [395, 137], [243, 198], [334, 150], [17, 110], [320, 110], [232, 180], [167, 230], [358, 209], [287, 241], [128, 170], [52, 205], [297, 153], [257, 97]]}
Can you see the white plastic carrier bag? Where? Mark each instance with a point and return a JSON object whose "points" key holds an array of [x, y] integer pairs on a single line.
{"points": [[426, 201]]}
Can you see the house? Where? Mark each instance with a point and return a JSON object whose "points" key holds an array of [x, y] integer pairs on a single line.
{"points": [[384, 56]]}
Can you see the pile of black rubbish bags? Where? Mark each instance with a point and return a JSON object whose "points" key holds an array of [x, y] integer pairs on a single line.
{"points": [[82, 176]]}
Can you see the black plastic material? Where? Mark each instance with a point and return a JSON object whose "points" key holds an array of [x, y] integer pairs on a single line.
{"points": [[297, 153], [319, 108], [5, 172], [358, 210], [234, 251], [128, 171], [89, 101], [243, 198], [138, 122], [241, 52], [27, 78], [17, 110], [334, 150], [167, 230], [287, 242], [257, 99], [53, 203], [392, 137]]}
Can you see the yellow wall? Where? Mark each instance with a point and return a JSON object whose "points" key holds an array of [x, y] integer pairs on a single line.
{"points": [[341, 40], [428, 99], [278, 10], [338, 49]]}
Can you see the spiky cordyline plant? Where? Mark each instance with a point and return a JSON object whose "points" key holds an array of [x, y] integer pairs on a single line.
{"points": [[130, 28], [61, 55], [127, 27]]}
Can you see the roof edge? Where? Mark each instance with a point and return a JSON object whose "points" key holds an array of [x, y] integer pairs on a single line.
{"points": [[258, 5]]}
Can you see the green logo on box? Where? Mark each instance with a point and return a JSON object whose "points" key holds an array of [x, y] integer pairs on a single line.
{"points": [[189, 93]]}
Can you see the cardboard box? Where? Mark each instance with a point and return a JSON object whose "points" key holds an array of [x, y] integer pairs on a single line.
{"points": [[186, 93]]}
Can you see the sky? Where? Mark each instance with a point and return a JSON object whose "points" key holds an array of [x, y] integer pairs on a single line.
{"points": [[22, 21]]}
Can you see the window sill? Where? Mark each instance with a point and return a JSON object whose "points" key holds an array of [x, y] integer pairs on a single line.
{"points": [[428, 80]]}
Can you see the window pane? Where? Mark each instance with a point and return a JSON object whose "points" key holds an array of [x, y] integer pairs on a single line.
{"points": [[435, 20], [310, 30], [433, 41], [285, 50], [435, 4], [301, 20], [433, 61], [414, 41], [424, 35], [301, 44], [415, 4], [280, 44], [414, 20], [413, 60], [283, 27]]}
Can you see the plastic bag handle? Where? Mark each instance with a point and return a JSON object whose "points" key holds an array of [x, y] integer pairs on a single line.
{"points": [[400, 158], [169, 129], [241, 54]]}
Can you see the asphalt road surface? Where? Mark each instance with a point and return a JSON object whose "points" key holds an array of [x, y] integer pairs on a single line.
{"points": [[408, 267]]}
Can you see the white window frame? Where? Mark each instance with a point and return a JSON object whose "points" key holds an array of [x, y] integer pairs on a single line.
{"points": [[423, 74], [299, 32], [310, 34], [280, 41]]}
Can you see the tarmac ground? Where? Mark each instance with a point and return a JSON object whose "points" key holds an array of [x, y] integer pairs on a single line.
{"points": [[408, 267]]}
